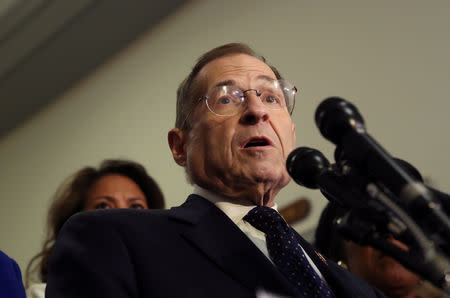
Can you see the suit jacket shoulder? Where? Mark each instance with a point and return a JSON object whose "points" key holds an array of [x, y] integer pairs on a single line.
{"points": [[193, 250], [10, 278]]}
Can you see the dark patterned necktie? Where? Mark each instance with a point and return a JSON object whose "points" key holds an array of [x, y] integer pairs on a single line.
{"points": [[286, 252]]}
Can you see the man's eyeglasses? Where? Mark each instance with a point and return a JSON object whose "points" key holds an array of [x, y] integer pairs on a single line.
{"points": [[228, 100]]}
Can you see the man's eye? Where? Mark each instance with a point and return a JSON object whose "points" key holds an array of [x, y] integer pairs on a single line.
{"points": [[137, 206], [271, 99], [102, 205], [224, 100]]}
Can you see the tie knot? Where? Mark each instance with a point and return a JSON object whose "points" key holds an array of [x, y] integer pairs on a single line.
{"points": [[266, 219]]}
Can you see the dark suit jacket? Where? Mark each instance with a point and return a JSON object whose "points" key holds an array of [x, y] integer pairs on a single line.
{"points": [[11, 285], [193, 250]]}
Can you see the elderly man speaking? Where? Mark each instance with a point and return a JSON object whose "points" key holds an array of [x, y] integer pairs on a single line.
{"points": [[232, 135]]}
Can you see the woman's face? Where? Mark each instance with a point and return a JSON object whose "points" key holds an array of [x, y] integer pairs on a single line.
{"points": [[115, 191], [380, 270]]}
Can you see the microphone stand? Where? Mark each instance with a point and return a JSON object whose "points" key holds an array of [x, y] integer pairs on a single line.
{"points": [[427, 260], [376, 215]]}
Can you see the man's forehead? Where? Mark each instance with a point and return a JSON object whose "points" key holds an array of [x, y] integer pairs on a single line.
{"points": [[236, 67]]}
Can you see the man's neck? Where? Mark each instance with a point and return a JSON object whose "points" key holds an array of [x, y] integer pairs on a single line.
{"points": [[235, 198], [234, 208], [216, 197]]}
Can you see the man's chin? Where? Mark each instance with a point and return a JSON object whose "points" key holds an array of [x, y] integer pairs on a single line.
{"points": [[269, 181], [264, 173]]}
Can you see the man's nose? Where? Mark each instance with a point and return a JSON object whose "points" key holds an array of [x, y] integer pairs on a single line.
{"points": [[254, 111]]}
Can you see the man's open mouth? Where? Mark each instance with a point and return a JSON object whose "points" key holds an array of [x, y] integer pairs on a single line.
{"points": [[257, 142]]}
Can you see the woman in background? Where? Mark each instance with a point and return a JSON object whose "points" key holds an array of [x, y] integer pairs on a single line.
{"points": [[115, 184]]}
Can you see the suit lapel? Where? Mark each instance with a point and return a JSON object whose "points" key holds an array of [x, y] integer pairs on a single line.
{"points": [[339, 280], [206, 227]]}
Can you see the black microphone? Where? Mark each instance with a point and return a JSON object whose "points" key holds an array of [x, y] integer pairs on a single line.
{"points": [[305, 165], [340, 122], [310, 168], [443, 198], [371, 218]]}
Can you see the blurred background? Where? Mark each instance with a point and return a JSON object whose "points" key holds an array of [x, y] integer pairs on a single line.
{"points": [[85, 80]]}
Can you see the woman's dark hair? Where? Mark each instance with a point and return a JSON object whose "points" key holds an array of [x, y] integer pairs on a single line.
{"points": [[70, 198]]}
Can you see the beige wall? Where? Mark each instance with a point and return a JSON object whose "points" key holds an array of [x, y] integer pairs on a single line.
{"points": [[390, 58]]}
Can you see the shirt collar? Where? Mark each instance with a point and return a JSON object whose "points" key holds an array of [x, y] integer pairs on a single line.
{"points": [[234, 208]]}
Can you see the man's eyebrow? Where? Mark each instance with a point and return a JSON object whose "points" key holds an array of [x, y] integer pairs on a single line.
{"points": [[233, 82], [266, 78], [226, 83]]}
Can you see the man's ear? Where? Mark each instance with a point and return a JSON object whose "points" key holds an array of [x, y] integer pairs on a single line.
{"points": [[176, 139]]}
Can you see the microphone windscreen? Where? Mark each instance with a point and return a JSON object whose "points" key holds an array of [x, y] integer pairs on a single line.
{"points": [[305, 165], [335, 116]]}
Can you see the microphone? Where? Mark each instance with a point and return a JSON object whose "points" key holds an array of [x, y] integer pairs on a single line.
{"points": [[340, 122], [443, 198], [335, 117], [373, 216], [310, 168], [305, 165]]}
